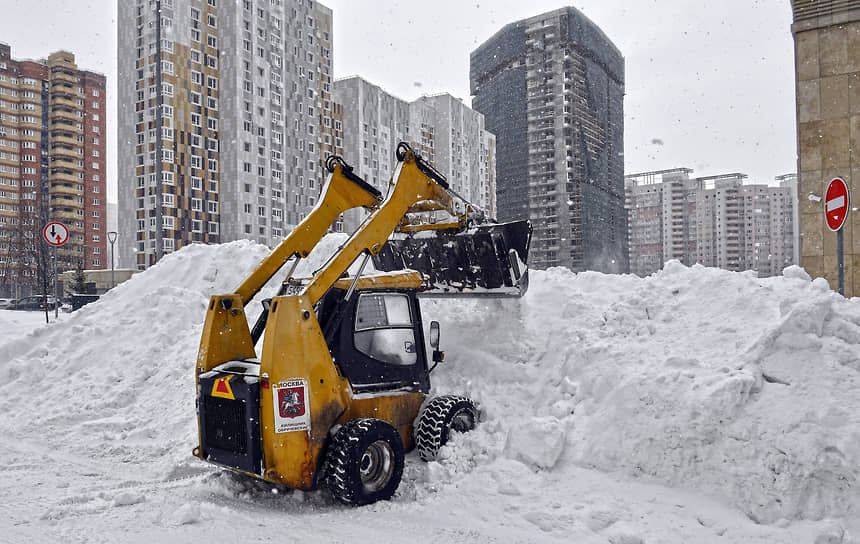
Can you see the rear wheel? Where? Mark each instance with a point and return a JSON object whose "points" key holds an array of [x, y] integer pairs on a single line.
{"points": [[439, 417], [364, 463]]}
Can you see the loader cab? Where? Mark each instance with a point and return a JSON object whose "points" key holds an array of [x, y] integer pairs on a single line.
{"points": [[376, 339]]}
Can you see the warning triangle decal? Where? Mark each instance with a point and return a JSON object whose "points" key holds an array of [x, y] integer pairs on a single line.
{"points": [[221, 388]]}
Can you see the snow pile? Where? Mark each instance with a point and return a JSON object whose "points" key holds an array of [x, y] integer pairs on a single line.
{"points": [[119, 372], [738, 387], [693, 377]]}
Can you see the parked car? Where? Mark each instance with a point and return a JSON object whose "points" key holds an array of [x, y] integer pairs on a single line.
{"points": [[6, 303], [35, 302]]}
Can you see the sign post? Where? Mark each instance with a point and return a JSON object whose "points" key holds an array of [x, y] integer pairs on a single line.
{"points": [[836, 206], [56, 234]]}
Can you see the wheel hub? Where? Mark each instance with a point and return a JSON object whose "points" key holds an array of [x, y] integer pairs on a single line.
{"points": [[376, 466], [463, 421]]}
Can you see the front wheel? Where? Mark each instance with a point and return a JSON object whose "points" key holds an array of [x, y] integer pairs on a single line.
{"points": [[364, 462], [439, 417]]}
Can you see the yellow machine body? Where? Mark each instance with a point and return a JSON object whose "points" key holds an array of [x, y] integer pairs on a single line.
{"points": [[287, 401]]}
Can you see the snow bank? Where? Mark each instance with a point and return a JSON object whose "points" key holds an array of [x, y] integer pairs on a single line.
{"points": [[115, 379], [693, 377], [739, 387]]}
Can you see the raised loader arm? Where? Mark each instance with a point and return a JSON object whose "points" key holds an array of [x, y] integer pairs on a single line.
{"points": [[226, 335], [415, 185], [343, 191]]}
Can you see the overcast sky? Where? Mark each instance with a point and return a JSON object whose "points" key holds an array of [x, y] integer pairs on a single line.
{"points": [[709, 85]]}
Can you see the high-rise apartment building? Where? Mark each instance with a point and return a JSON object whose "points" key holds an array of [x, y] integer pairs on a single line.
{"points": [[790, 182], [225, 117], [661, 208], [52, 166], [439, 127], [464, 150], [373, 123], [715, 221], [745, 226], [827, 64], [551, 88]]}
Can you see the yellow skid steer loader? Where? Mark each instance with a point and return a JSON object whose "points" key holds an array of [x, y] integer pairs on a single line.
{"points": [[334, 395]]}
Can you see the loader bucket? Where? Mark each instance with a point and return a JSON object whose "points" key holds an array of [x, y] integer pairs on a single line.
{"points": [[484, 261]]}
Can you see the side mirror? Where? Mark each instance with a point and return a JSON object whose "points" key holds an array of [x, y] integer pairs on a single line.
{"points": [[434, 334]]}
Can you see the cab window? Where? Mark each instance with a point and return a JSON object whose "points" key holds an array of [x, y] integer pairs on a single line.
{"points": [[383, 328]]}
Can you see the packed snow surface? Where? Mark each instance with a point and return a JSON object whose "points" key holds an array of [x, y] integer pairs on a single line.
{"points": [[695, 405]]}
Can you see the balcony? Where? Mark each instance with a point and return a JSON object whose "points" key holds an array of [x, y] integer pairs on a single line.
{"points": [[62, 76], [66, 215], [64, 88], [67, 190], [541, 160], [65, 103], [63, 114], [62, 176], [63, 151], [62, 202], [63, 126], [65, 164], [65, 140], [543, 183]]}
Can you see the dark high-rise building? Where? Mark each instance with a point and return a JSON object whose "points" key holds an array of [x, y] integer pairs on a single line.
{"points": [[551, 89]]}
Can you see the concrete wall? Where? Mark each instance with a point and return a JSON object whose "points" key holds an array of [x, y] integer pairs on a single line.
{"points": [[827, 61]]}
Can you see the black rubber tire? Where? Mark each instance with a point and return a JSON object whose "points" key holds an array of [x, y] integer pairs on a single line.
{"points": [[364, 462], [438, 418]]}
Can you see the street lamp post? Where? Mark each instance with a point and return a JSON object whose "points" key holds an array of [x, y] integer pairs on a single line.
{"points": [[111, 238]]}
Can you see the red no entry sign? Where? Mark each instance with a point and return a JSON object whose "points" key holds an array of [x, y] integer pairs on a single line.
{"points": [[55, 233], [836, 204]]}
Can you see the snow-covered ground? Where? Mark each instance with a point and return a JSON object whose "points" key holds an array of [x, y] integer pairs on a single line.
{"points": [[696, 405]]}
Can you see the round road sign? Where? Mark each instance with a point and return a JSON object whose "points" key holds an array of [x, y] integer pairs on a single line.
{"points": [[836, 204], [55, 233]]}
